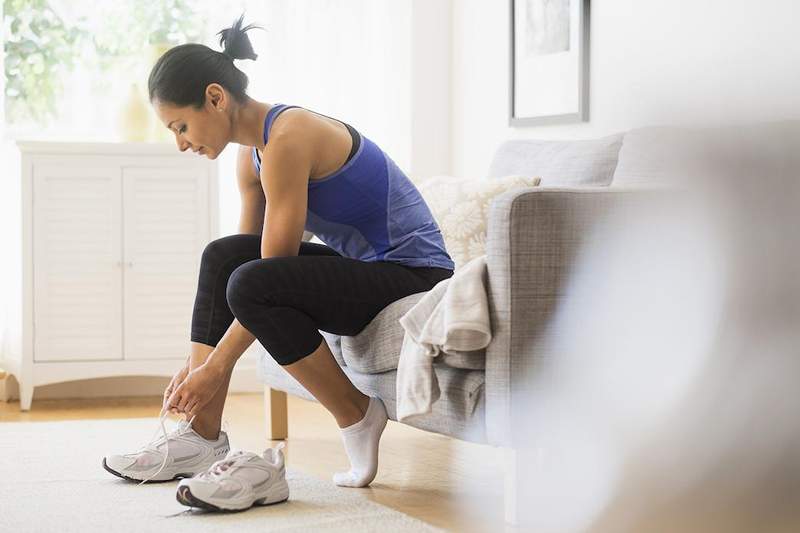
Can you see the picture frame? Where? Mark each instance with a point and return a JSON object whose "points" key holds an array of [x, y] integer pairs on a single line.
{"points": [[549, 62]]}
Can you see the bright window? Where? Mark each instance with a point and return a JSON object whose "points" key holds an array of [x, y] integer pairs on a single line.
{"points": [[71, 65]]}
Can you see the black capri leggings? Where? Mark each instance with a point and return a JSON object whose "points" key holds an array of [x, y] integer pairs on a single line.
{"points": [[285, 301]]}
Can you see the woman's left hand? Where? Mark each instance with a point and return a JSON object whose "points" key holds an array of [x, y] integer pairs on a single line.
{"points": [[196, 390]]}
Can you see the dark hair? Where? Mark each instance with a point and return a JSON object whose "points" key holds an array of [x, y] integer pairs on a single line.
{"points": [[181, 75]]}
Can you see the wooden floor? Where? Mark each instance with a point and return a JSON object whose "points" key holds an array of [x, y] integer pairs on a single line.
{"points": [[445, 482]]}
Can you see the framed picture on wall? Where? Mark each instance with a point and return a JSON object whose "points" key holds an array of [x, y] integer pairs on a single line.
{"points": [[549, 62]]}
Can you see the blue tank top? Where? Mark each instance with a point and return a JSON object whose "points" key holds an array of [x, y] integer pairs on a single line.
{"points": [[370, 210]]}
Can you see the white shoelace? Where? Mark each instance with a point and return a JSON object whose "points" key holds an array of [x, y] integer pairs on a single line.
{"points": [[224, 467], [153, 444]]}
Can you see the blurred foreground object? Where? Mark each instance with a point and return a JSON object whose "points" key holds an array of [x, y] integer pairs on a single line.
{"points": [[677, 408]]}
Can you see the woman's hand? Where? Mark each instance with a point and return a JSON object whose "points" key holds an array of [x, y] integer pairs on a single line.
{"points": [[177, 379], [196, 390]]}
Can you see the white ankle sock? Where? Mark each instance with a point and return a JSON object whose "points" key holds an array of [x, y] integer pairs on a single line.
{"points": [[361, 444]]}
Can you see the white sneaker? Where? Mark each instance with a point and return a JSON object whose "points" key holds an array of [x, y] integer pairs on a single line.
{"points": [[238, 482], [187, 453]]}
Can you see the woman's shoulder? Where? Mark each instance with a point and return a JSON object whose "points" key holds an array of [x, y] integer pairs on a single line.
{"points": [[297, 122], [300, 133]]}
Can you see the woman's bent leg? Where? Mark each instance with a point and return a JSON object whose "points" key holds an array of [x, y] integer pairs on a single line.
{"points": [[285, 301], [212, 317]]}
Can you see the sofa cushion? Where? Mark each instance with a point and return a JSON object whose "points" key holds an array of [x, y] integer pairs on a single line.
{"points": [[559, 163], [377, 347], [461, 208]]}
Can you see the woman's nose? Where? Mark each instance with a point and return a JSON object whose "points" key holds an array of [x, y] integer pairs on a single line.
{"points": [[182, 144]]}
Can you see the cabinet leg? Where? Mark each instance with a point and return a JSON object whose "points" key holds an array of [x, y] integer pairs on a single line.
{"points": [[4, 379], [276, 412], [25, 397]]}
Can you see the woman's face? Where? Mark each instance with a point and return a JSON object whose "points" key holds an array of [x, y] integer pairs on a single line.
{"points": [[205, 131]]}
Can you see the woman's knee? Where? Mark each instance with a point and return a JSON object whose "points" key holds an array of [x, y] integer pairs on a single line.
{"points": [[245, 282], [222, 249]]}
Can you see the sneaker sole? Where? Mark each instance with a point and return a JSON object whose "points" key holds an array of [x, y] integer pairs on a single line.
{"points": [[184, 495], [123, 476]]}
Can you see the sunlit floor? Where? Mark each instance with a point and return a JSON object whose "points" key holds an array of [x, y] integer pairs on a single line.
{"points": [[445, 482]]}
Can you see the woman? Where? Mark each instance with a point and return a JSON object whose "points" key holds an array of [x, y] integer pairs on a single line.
{"points": [[305, 171]]}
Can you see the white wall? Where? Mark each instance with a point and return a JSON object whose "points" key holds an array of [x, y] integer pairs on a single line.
{"points": [[431, 54], [652, 62]]}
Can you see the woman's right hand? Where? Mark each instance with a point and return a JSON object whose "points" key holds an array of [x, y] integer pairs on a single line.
{"points": [[176, 380]]}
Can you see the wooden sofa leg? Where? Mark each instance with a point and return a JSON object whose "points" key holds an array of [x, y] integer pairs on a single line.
{"points": [[276, 412]]}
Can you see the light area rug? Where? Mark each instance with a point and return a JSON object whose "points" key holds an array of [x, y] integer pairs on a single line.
{"points": [[51, 479]]}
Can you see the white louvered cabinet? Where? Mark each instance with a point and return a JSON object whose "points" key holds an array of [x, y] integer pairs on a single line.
{"points": [[110, 241], [77, 279]]}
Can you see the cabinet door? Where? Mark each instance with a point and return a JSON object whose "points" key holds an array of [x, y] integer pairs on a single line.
{"points": [[77, 251], [166, 227]]}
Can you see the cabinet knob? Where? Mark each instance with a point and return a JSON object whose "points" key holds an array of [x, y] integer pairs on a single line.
{"points": [[119, 264], [130, 264]]}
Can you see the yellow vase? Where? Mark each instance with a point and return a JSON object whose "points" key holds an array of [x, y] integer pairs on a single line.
{"points": [[158, 132], [135, 116]]}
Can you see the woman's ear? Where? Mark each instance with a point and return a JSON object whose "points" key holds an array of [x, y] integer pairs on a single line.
{"points": [[215, 95]]}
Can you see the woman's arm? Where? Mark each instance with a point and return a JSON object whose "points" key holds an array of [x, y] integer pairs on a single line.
{"points": [[289, 165], [254, 203], [290, 161], [285, 172], [251, 221]]}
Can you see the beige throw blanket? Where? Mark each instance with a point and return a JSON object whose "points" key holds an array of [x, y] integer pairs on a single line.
{"points": [[452, 317]]}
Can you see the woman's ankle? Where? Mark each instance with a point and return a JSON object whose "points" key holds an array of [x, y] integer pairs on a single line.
{"points": [[354, 413], [206, 430]]}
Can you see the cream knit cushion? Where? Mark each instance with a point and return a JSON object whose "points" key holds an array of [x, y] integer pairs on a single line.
{"points": [[461, 208]]}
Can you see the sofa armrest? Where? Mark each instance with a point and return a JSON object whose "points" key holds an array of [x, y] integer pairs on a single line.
{"points": [[532, 237]]}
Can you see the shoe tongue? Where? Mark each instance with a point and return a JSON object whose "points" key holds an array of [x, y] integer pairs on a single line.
{"points": [[237, 456], [243, 454], [270, 455]]}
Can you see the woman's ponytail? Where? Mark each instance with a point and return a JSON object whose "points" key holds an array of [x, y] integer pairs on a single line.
{"points": [[181, 75], [234, 40]]}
